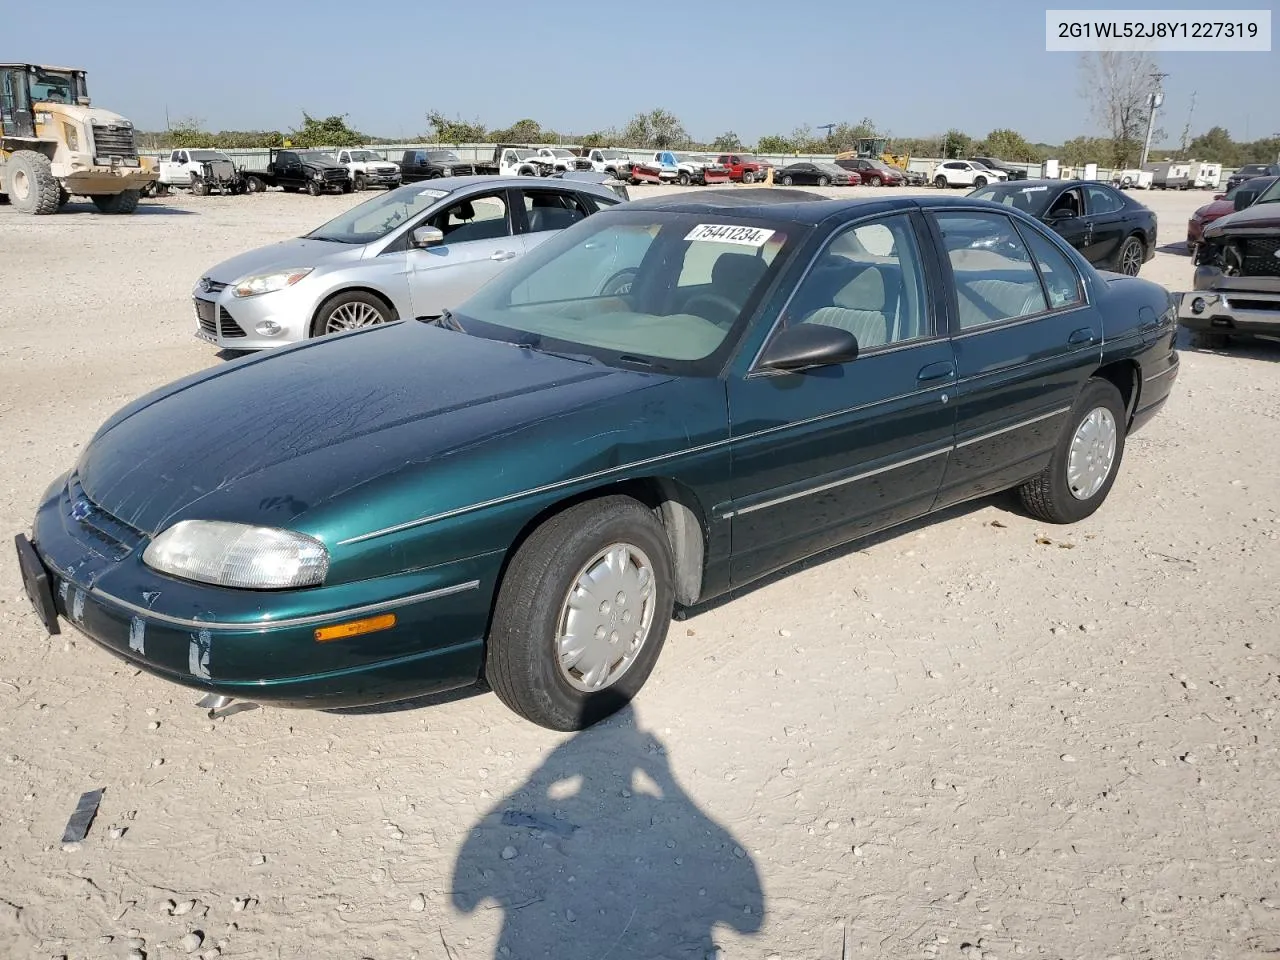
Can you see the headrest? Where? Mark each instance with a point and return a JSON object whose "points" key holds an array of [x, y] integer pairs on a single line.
{"points": [[863, 292], [737, 271]]}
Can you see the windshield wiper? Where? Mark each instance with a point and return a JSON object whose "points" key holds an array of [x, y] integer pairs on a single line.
{"points": [[446, 320], [536, 346]]}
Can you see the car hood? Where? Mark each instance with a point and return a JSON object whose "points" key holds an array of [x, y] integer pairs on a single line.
{"points": [[1259, 217], [1218, 208], [276, 436], [295, 252]]}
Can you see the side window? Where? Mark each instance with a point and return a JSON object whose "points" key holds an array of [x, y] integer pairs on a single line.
{"points": [[595, 204], [1102, 200], [994, 277], [1060, 278], [869, 281], [551, 210], [475, 218], [1069, 204]]}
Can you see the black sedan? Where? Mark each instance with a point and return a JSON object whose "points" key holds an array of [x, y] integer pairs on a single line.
{"points": [[805, 173], [1113, 231]]}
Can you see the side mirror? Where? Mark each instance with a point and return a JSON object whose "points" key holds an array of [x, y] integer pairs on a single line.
{"points": [[808, 345], [423, 237]]}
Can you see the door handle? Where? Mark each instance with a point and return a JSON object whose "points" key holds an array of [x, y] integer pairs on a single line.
{"points": [[1083, 335], [502, 255], [942, 370]]}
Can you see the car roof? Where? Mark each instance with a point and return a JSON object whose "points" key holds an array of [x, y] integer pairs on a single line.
{"points": [[473, 184]]}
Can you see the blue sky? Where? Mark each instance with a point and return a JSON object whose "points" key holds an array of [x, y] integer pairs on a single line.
{"points": [[916, 68]]}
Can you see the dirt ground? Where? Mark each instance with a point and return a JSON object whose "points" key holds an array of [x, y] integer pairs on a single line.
{"points": [[976, 737]]}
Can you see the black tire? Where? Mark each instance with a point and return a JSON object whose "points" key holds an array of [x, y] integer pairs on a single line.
{"points": [[347, 185], [63, 197], [787, 181], [875, 181], [30, 183], [198, 186], [684, 178], [117, 203], [290, 189], [1209, 340], [359, 182], [940, 182], [749, 177], [1048, 496], [520, 659], [824, 181], [313, 188], [1126, 183], [320, 322], [255, 184], [1129, 257], [979, 181]]}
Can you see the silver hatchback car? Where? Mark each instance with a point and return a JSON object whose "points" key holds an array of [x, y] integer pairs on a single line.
{"points": [[410, 252]]}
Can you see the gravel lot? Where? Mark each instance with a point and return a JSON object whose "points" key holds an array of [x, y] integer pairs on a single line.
{"points": [[975, 737]]}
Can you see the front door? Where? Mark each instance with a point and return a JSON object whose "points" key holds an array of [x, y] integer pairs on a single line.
{"points": [[478, 243], [15, 109], [1067, 217], [1023, 333], [1105, 211], [823, 456]]}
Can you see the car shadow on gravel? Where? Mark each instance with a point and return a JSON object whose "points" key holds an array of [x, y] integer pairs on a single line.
{"points": [[1245, 348], [601, 852], [145, 209], [1179, 249]]}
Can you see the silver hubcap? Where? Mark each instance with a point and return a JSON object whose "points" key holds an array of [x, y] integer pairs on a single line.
{"points": [[351, 316], [20, 185], [1132, 260], [605, 619], [1093, 451]]}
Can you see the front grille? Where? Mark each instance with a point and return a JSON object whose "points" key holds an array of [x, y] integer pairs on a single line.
{"points": [[1260, 258], [229, 327], [206, 316], [582, 164], [1270, 306], [335, 174], [111, 141]]}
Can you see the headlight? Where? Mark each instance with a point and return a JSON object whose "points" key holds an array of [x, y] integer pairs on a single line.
{"points": [[73, 138], [446, 171], [238, 555], [257, 284]]}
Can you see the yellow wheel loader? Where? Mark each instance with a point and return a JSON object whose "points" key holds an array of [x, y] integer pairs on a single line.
{"points": [[54, 145]]}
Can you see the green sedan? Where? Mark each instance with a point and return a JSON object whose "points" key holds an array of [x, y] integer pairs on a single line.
{"points": [[670, 399]]}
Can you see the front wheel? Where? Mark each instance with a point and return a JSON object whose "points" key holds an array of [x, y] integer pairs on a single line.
{"points": [[787, 181], [313, 188], [350, 311], [684, 178], [824, 181], [940, 182], [1129, 259], [979, 181], [199, 187], [359, 181], [874, 181], [1085, 461], [582, 614], [748, 177], [255, 184]]}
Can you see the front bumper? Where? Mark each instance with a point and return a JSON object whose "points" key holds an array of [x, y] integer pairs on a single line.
{"points": [[108, 180], [230, 323], [384, 178], [259, 645], [1237, 312]]}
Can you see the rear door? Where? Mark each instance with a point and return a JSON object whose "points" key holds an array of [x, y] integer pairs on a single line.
{"points": [[16, 119], [1025, 340], [823, 456], [479, 241]]}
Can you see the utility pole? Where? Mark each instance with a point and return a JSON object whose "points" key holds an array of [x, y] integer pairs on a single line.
{"points": [[1154, 100], [1276, 136], [827, 127]]}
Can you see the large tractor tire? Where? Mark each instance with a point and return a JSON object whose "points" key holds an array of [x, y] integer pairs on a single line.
{"points": [[30, 183], [125, 202]]}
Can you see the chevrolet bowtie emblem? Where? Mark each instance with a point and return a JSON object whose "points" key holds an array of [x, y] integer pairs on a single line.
{"points": [[81, 509]]}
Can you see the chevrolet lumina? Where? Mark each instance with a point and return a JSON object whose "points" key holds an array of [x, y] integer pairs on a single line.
{"points": [[668, 400], [409, 252]]}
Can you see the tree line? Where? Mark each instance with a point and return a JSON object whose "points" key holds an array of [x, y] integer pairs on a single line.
{"points": [[661, 129]]}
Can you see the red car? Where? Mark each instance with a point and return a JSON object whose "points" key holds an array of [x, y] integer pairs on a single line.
{"points": [[743, 167], [1223, 203]]}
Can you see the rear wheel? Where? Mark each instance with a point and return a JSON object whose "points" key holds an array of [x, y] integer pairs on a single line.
{"points": [[255, 184], [31, 185], [940, 182], [582, 614], [351, 310], [1129, 259], [749, 177], [1085, 461], [124, 202]]}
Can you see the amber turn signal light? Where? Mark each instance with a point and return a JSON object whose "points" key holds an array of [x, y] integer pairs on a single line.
{"points": [[355, 628]]}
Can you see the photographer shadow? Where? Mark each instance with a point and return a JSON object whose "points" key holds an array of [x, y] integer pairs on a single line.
{"points": [[602, 853]]}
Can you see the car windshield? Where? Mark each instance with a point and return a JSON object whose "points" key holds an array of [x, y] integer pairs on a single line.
{"points": [[637, 289], [53, 86], [559, 152], [1252, 170], [378, 216], [317, 155], [1271, 194], [831, 168], [364, 155], [442, 156], [522, 154], [612, 154], [1033, 199], [201, 156]]}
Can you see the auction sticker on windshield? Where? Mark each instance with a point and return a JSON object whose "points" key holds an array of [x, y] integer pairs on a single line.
{"points": [[727, 233], [433, 194]]}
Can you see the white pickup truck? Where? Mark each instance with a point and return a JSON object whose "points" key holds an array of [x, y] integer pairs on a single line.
{"points": [[203, 171], [616, 162], [367, 169], [563, 159]]}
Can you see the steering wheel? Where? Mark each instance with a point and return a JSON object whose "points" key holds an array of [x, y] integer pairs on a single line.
{"points": [[716, 300]]}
